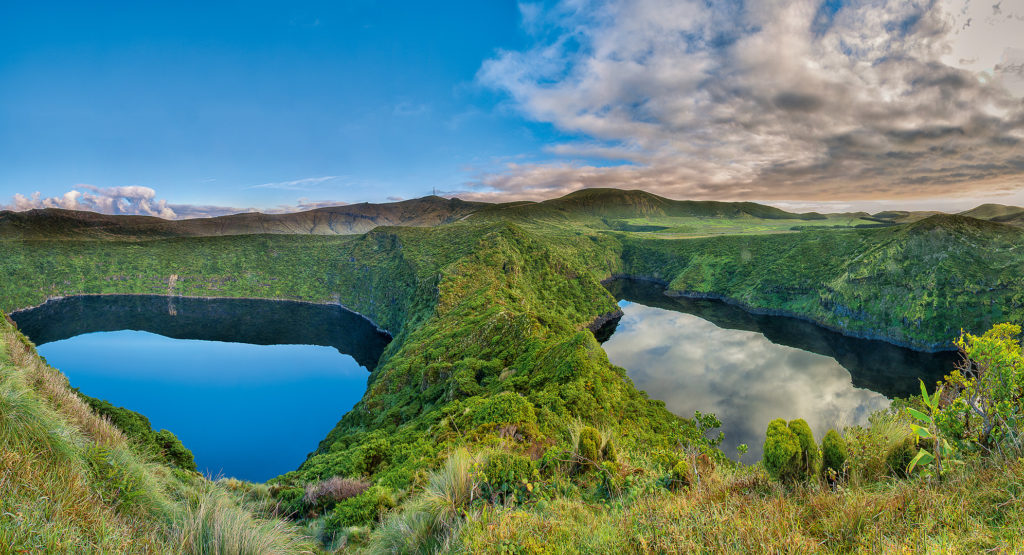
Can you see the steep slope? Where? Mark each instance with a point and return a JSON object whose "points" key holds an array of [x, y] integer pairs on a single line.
{"points": [[916, 284], [53, 223]]}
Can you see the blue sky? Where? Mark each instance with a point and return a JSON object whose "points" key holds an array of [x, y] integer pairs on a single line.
{"points": [[202, 104], [183, 109]]}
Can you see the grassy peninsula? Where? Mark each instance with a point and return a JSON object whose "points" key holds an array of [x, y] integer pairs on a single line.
{"points": [[494, 421]]}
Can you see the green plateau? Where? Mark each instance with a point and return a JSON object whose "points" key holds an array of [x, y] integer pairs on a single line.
{"points": [[494, 421]]}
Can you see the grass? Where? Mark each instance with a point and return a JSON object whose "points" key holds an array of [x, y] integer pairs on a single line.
{"points": [[741, 511]]}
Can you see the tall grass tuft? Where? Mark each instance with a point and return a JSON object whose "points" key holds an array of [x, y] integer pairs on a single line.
{"points": [[431, 521], [214, 522]]}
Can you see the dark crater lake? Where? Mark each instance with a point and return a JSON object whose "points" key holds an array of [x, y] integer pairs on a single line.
{"points": [[250, 386], [748, 369]]}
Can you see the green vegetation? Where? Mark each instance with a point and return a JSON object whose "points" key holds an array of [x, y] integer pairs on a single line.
{"points": [[833, 456], [164, 445], [495, 423]]}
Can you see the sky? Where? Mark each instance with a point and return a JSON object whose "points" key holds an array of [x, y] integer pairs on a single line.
{"points": [[194, 109]]}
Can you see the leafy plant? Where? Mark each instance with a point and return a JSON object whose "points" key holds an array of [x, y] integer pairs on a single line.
{"points": [[929, 431]]}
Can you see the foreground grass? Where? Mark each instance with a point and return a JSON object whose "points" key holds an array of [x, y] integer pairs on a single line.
{"points": [[71, 482], [979, 509]]}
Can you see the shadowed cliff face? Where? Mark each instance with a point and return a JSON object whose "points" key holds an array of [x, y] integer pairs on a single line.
{"points": [[257, 322]]}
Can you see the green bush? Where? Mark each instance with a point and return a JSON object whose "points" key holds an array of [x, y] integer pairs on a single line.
{"points": [[361, 510], [809, 455], [173, 450], [372, 454], [508, 474], [898, 458], [782, 453], [681, 475], [833, 454], [588, 447], [289, 501], [506, 407]]}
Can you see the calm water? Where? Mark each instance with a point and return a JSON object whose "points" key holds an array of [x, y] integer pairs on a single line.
{"points": [[749, 369], [250, 387]]}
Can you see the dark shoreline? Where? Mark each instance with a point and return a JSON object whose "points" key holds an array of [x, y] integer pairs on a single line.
{"points": [[202, 297]]}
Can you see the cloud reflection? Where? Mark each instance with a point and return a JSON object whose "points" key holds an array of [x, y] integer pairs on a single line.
{"points": [[740, 376]]}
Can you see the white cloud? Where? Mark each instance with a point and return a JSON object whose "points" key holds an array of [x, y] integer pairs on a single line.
{"points": [[109, 200], [304, 184], [767, 100], [136, 200]]}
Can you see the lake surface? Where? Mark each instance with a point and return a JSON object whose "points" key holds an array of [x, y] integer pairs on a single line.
{"points": [[748, 369], [249, 386]]}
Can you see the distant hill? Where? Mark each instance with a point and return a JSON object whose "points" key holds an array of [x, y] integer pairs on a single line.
{"points": [[1012, 215], [618, 203], [992, 211], [53, 223], [605, 208]]}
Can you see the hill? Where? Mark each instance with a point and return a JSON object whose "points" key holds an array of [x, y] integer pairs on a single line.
{"points": [[54, 223], [993, 211]]}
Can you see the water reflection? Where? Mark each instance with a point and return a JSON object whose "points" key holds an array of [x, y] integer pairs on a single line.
{"points": [[254, 321], [747, 378]]}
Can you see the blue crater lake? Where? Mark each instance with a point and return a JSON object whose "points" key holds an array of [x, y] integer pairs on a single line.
{"points": [[250, 387], [748, 369]]}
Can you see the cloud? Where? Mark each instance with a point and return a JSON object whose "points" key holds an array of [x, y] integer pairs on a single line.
{"points": [[764, 100], [303, 184], [136, 200], [110, 200], [409, 109]]}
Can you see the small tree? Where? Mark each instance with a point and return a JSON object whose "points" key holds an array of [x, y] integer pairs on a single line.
{"points": [[782, 453], [833, 456]]}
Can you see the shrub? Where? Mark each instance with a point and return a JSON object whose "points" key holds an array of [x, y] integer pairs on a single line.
{"points": [[508, 474], [173, 450], [833, 455], [372, 454], [810, 457], [326, 493], [588, 446], [506, 408], [899, 456], [289, 501], [782, 453], [360, 510], [681, 475]]}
